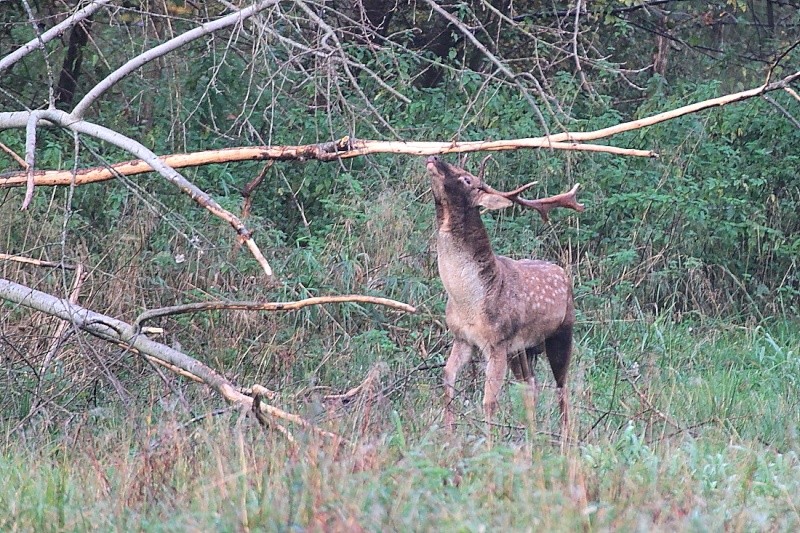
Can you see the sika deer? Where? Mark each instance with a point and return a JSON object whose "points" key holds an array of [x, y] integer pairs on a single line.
{"points": [[499, 305]]}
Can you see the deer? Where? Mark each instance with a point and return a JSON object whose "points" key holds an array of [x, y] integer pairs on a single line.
{"points": [[510, 310]]}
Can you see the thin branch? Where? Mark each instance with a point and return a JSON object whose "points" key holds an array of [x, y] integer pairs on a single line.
{"points": [[575, 55], [783, 110], [51, 34], [30, 158], [14, 155], [36, 262], [270, 306], [165, 48]]}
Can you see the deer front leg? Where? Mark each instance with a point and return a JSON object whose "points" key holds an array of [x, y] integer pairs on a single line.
{"points": [[460, 355], [496, 366]]}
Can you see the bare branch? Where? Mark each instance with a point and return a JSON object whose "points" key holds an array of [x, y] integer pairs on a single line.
{"points": [[22, 118], [30, 158], [783, 110], [118, 332], [36, 262], [675, 113], [14, 155], [51, 34], [165, 48], [341, 149], [271, 306]]}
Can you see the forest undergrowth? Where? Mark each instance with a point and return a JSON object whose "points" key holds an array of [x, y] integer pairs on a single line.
{"points": [[675, 426]]}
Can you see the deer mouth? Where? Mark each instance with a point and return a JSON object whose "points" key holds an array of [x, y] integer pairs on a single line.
{"points": [[434, 164]]}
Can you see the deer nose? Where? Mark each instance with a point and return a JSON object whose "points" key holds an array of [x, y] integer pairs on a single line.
{"points": [[433, 160]]}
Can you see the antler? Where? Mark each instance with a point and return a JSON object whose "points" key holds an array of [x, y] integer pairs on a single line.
{"points": [[541, 205]]}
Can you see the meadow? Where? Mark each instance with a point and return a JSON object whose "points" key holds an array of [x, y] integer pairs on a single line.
{"points": [[676, 427]]}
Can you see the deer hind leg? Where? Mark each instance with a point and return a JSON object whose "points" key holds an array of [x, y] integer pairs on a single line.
{"points": [[516, 365], [559, 351], [460, 355]]}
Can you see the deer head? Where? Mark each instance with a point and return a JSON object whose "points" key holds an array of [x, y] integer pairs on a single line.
{"points": [[458, 187], [501, 306]]}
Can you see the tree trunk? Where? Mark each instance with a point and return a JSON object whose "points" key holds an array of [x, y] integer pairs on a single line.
{"points": [[71, 67]]}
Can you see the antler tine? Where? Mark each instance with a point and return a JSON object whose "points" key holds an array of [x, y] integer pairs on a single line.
{"points": [[544, 205], [482, 166]]}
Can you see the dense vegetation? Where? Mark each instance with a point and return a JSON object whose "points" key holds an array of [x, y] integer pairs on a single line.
{"points": [[685, 269]]}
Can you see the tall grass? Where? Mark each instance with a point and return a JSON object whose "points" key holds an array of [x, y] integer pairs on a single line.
{"points": [[677, 427]]}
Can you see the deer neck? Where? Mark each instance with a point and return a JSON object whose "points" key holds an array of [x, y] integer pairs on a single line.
{"points": [[467, 264]]}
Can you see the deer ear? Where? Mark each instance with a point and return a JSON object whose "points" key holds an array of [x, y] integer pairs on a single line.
{"points": [[492, 201]]}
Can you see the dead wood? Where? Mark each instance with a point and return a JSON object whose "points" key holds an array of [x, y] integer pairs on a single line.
{"points": [[131, 338], [347, 147]]}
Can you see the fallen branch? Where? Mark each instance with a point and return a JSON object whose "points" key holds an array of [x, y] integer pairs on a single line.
{"points": [[270, 306], [19, 119], [36, 262], [128, 336], [346, 147]]}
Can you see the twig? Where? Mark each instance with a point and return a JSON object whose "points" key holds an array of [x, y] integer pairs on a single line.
{"points": [[36, 262], [643, 398], [14, 155], [575, 56], [368, 384], [783, 110], [266, 423]]}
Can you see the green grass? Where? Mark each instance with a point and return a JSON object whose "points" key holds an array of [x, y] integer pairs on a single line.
{"points": [[678, 427]]}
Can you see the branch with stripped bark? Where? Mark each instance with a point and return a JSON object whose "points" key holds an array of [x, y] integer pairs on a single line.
{"points": [[346, 147]]}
